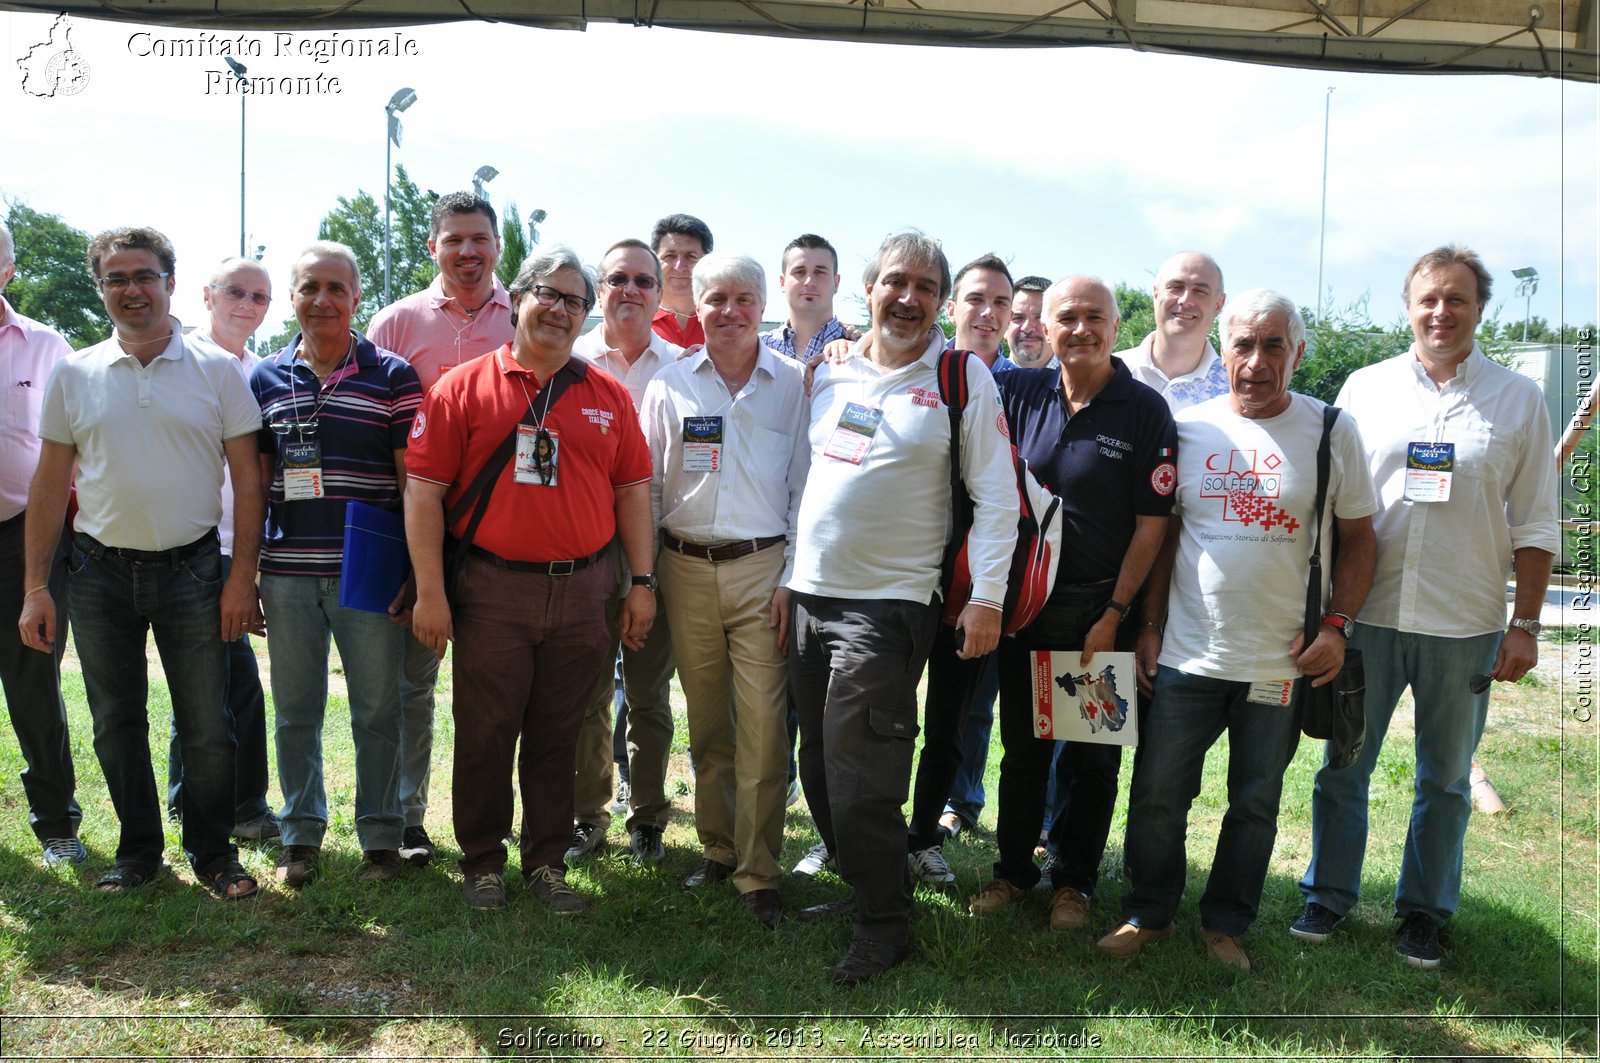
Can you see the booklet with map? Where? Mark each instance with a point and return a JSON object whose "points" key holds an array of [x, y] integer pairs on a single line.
{"points": [[1074, 703]]}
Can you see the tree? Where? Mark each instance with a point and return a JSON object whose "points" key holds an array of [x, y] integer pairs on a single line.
{"points": [[513, 246], [53, 283], [1342, 342], [1138, 310]]}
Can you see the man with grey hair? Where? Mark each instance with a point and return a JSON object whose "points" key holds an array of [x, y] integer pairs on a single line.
{"points": [[337, 412], [527, 611], [28, 351], [1436, 619], [872, 530], [1177, 358], [727, 435], [1227, 592]]}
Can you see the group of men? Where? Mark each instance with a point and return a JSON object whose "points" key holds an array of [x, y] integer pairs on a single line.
{"points": [[677, 491]]}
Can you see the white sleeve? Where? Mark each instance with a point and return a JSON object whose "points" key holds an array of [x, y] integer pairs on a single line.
{"points": [[1350, 479], [1533, 508], [653, 418], [989, 471]]}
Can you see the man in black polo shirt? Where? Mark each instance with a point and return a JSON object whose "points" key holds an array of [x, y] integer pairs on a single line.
{"points": [[1105, 444]]}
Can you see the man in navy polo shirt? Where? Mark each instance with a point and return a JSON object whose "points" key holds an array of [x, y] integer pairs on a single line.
{"points": [[1105, 444]]}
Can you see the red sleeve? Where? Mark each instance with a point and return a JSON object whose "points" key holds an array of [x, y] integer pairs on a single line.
{"points": [[631, 462], [438, 442]]}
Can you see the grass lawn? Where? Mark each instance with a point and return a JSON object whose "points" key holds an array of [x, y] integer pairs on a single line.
{"points": [[349, 970]]}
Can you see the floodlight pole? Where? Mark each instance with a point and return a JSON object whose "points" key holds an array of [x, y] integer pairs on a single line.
{"points": [[239, 69], [1322, 238], [398, 102]]}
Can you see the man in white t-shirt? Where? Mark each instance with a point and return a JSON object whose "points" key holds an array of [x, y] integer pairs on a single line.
{"points": [[1236, 564], [1177, 359]]}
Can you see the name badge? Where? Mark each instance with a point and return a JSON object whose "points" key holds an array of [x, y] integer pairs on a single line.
{"points": [[1277, 692], [702, 444], [302, 470], [538, 451], [1429, 467], [852, 438]]}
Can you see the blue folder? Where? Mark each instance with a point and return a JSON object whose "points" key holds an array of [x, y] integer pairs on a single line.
{"points": [[375, 558]]}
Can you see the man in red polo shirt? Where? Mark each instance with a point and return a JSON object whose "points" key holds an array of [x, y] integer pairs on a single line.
{"points": [[527, 605], [680, 240]]}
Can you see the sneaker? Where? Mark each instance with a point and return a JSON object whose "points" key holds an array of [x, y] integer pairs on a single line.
{"points": [[550, 886], [619, 804], [647, 845], [379, 865], [816, 861], [1315, 923], [587, 838], [298, 865], [706, 873], [484, 891], [995, 895], [1069, 909], [866, 959], [1419, 941], [950, 825], [61, 851], [1225, 949], [416, 848], [792, 798], [929, 868], [1129, 939], [1047, 873], [264, 828]]}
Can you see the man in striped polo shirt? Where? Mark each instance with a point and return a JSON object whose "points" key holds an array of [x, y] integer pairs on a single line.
{"points": [[337, 412]]}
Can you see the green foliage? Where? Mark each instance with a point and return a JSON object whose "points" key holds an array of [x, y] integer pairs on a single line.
{"points": [[513, 245], [53, 284], [1342, 342], [1138, 310]]}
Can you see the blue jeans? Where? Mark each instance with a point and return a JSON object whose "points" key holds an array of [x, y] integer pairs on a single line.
{"points": [[966, 792], [113, 603], [302, 611], [1449, 722], [419, 675], [1184, 719]]}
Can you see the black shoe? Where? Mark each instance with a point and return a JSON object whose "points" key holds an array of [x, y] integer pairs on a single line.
{"points": [[705, 874], [646, 845], [416, 848], [1315, 923], [1419, 941], [865, 959], [587, 838], [764, 906], [830, 910]]}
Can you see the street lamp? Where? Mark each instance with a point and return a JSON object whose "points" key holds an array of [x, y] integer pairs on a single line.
{"points": [[397, 103], [1527, 284], [533, 225], [483, 176], [238, 69]]}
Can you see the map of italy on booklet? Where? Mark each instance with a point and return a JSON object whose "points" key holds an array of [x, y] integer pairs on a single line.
{"points": [[1099, 703]]}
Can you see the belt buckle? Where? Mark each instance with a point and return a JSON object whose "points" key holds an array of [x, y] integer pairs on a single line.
{"points": [[561, 568]]}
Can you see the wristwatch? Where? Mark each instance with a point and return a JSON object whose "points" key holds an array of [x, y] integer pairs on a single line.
{"points": [[1340, 623], [646, 580], [1532, 627]]}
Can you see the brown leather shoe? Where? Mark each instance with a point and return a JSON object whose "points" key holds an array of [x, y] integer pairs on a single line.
{"points": [[1127, 940], [1225, 948], [866, 959], [1069, 909], [706, 873], [995, 895], [763, 905]]}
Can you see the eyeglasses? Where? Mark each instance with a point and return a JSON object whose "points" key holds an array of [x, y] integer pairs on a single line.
{"points": [[145, 278], [1479, 683], [236, 293], [548, 296], [642, 281]]}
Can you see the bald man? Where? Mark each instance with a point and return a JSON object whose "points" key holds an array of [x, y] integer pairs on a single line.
{"points": [[1177, 359]]}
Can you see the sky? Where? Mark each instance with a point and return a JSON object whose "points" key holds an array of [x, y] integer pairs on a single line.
{"points": [[1080, 160]]}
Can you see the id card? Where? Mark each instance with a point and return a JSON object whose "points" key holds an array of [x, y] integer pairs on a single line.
{"points": [[852, 438], [1429, 468], [302, 470], [702, 444], [537, 455], [1277, 692]]}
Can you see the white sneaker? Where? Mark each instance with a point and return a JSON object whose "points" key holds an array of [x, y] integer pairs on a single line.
{"points": [[816, 861], [619, 804], [928, 867]]}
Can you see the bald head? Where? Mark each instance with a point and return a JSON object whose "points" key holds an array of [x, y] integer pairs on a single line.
{"points": [[1079, 287], [237, 297], [1080, 323], [1188, 296]]}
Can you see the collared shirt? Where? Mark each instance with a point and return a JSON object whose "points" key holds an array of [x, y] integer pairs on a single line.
{"points": [[433, 331], [878, 529], [592, 347], [762, 458], [1442, 565], [665, 325], [600, 449], [781, 339], [246, 362], [363, 414], [28, 351], [1206, 381], [1002, 365], [149, 438], [1110, 463]]}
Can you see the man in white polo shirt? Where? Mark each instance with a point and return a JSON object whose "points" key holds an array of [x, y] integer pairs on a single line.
{"points": [[1177, 359]]}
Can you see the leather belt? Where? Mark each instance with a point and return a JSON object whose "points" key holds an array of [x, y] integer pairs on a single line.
{"points": [[718, 554], [543, 568], [176, 556]]}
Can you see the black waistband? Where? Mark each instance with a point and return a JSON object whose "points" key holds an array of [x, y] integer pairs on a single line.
{"points": [[545, 568], [176, 556]]}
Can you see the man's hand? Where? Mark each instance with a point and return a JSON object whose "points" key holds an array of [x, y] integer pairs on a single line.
{"points": [[778, 618], [1102, 637], [241, 607], [1518, 653], [980, 624], [400, 608], [1323, 660], [691, 350], [38, 616], [836, 352], [638, 612], [431, 624], [1146, 652]]}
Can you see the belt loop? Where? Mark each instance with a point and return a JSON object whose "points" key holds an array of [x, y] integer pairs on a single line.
{"points": [[94, 547]]}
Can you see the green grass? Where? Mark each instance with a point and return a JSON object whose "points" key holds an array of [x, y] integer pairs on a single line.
{"points": [[355, 970]]}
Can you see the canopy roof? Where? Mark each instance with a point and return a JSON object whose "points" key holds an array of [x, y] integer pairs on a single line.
{"points": [[1545, 38]]}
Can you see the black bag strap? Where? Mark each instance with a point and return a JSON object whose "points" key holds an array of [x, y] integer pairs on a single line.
{"points": [[953, 392], [1330, 414]]}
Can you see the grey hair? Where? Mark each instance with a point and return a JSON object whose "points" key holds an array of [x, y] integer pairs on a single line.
{"points": [[325, 249], [1258, 304], [543, 266], [8, 249], [915, 246], [728, 266]]}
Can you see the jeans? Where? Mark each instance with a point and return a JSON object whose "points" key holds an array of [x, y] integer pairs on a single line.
{"points": [[302, 612], [966, 789], [1185, 718], [418, 676], [113, 602], [952, 688], [1449, 723]]}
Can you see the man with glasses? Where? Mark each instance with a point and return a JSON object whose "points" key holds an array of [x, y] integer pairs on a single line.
{"points": [[464, 313], [624, 345], [149, 418], [527, 604], [236, 298], [679, 241], [28, 351]]}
